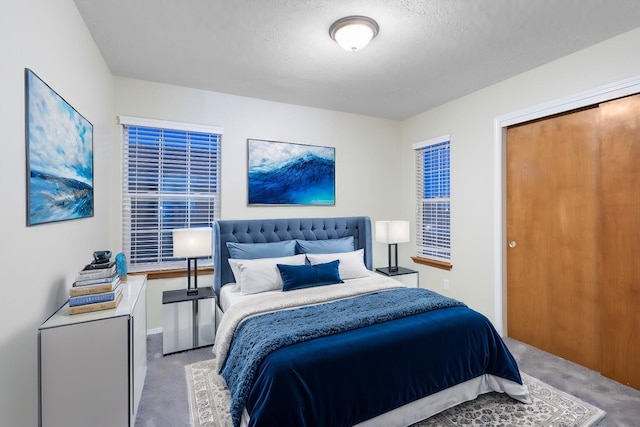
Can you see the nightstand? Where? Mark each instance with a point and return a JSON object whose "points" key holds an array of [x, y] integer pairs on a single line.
{"points": [[406, 276], [188, 321]]}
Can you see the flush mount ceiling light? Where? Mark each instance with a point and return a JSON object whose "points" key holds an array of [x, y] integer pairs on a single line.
{"points": [[353, 32]]}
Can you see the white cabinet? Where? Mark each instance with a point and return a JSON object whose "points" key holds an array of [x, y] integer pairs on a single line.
{"points": [[92, 366]]}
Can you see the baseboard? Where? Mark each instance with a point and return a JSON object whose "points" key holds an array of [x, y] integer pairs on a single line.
{"points": [[154, 331]]}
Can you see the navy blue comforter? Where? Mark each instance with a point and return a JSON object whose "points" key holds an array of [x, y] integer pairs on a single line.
{"points": [[353, 370]]}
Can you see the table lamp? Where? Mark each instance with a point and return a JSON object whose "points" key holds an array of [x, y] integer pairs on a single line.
{"points": [[192, 243], [392, 233]]}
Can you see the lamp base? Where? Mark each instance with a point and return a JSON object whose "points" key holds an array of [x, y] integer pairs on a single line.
{"points": [[389, 271], [397, 272], [192, 291]]}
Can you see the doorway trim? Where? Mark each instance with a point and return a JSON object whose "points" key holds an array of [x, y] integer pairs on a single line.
{"points": [[583, 99]]}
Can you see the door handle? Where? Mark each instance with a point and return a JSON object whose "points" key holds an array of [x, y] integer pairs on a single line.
{"points": [[512, 243]]}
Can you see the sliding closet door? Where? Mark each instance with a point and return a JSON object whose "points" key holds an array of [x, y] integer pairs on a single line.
{"points": [[552, 236], [620, 256]]}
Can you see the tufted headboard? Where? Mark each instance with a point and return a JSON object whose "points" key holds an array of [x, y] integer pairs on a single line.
{"points": [[276, 230]]}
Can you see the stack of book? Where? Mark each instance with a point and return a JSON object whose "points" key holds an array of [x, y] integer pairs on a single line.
{"points": [[97, 287]]}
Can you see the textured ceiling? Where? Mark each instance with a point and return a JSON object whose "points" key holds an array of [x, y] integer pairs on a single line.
{"points": [[427, 52]]}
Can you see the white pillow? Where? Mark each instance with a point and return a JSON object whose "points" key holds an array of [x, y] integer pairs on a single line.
{"points": [[233, 263], [261, 275], [351, 263]]}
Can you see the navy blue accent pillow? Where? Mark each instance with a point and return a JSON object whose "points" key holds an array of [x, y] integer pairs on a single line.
{"points": [[307, 276], [329, 246], [261, 250]]}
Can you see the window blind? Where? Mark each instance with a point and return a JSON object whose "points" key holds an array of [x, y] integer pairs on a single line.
{"points": [[171, 179], [433, 191]]}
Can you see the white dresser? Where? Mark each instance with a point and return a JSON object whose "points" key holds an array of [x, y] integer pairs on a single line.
{"points": [[92, 366]]}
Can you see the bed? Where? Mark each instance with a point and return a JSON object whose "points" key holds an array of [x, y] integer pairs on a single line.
{"points": [[310, 335]]}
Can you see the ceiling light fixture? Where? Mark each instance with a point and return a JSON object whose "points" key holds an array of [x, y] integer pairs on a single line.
{"points": [[353, 32]]}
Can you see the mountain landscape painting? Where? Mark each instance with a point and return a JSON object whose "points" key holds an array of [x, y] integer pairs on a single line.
{"points": [[282, 173], [59, 156]]}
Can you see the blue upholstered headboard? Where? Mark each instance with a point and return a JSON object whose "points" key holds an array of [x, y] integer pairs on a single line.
{"points": [[276, 230]]}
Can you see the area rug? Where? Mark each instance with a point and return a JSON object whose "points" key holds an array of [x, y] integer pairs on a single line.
{"points": [[209, 403]]}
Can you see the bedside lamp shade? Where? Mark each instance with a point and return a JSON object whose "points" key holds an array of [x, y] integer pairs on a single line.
{"points": [[392, 233], [192, 243]]}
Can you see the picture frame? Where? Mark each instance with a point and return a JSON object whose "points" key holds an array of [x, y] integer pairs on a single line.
{"points": [[285, 173], [59, 154]]}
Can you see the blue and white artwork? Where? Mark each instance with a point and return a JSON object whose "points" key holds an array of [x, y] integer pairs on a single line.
{"points": [[59, 156], [282, 173]]}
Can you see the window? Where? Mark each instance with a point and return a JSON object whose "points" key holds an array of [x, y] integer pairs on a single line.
{"points": [[171, 179], [433, 192]]}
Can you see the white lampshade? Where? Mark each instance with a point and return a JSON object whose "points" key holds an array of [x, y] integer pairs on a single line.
{"points": [[353, 32], [392, 232], [192, 242]]}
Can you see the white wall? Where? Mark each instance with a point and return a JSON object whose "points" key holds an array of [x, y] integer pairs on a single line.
{"points": [[470, 122], [366, 154], [38, 263]]}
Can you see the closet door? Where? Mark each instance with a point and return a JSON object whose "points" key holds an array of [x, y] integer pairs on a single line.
{"points": [[620, 255], [552, 236]]}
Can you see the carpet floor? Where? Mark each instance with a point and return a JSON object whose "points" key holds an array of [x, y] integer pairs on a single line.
{"points": [[165, 396], [210, 400]]}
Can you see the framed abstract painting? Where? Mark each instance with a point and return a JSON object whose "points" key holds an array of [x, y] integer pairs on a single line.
{"points": [[59, 143], [284, 173]]}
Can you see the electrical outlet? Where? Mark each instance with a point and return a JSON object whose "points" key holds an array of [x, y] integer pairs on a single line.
{"points": [[446, 284]]}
